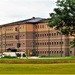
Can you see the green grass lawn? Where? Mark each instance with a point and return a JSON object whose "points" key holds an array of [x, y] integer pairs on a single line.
{"points": [[60, 68], [37, 74], [50, 57], [63, 57]]}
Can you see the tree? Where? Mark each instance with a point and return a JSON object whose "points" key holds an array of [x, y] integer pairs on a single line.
{"points": [[73, 43], [63, 17]]}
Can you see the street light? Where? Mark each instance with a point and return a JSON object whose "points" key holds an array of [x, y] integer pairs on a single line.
{"points": [[61, 40]]}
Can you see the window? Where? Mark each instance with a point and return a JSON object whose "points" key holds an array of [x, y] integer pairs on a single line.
{"points": [[40, 35], [45, 52], [57, 51], [16, 29], [38, 52], [52, 43], [45, 34], [45, 43], [40, 43], [40, 26], [54, 51], [11, 44], [42, 51], [36, 27], [60, 42], [20, 28], [49, 34], [37, 43], [17, 37], [70, 51], [52, 34], [62, 52], [10, 36], [23, 26], [57, 43]]}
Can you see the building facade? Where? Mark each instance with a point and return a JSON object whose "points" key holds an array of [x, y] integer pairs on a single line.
{"points": [[35, 38]]}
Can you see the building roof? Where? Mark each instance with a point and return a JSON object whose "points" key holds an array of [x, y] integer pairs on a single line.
{"points": [[32, 20], [35, 20]]}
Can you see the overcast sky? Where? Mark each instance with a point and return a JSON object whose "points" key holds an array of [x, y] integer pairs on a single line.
{"points": [[15, 10]]}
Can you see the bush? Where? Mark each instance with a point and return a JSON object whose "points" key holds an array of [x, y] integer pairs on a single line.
{"points": [[43, 56], [8, 56], [22, 61], [18, 55], [24, 55]]}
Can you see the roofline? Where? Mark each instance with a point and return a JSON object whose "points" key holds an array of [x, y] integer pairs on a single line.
{"points": [[21, 22], [13, 23]]}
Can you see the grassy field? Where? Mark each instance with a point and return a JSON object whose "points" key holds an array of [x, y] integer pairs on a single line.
{"points": [[50, 57], [37, 74], [61, 68]]}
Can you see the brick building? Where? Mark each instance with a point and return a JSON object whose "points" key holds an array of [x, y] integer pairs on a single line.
{"points": [[34, 37]]}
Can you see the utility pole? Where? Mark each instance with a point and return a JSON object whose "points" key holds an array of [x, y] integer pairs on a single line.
{"points": [[60, 33], [1, 39], [48, 41], [5, 38], [18, 38]]}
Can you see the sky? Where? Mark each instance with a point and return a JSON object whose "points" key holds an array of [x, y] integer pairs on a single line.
{"points": [[16, 10]]}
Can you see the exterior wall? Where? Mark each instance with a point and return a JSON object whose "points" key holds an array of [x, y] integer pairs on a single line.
{"points": [[37, 38], [9, 37]]}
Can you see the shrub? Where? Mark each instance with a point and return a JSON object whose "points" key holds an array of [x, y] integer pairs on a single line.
{"points": [[24, 55], [43, 56], [8, 56], [22, 61], [18, 55]]}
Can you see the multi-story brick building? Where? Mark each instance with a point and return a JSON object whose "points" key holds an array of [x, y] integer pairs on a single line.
{"points": [[34, 37]]}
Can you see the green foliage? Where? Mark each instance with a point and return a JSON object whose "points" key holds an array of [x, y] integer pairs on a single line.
{"points": [[24, 55], [72, 43], [43, 56], [8, 57], [18, 55], [63, 18]]}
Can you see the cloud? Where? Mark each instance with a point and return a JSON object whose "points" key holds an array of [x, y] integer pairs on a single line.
{"points": [[11, 10]]}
